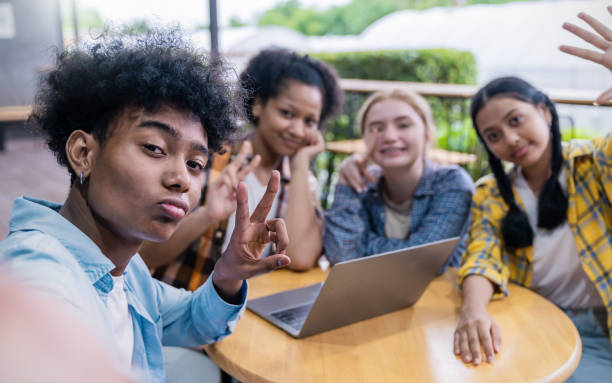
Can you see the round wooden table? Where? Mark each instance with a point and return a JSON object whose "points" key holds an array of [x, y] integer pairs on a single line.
{"points": [[539, 342]]}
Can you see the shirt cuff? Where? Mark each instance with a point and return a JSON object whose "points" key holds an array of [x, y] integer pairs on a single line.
{"points": [[223, 315]]}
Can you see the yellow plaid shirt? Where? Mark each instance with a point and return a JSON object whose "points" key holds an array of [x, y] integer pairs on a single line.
{"points": [[588, 169]]}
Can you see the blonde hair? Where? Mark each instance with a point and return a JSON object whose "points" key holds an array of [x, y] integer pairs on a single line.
{"points": [[413, 99]]}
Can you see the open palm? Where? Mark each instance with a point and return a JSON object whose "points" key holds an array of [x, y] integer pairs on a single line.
{"points": [[602, 41]]}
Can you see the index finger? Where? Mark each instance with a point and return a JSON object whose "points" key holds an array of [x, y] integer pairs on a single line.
{"points": [[484, 334], [587, 36], [265, 204], [604, 31], [242, 207], [249, 167], [370, 150], [245, 149], [586, 54]]}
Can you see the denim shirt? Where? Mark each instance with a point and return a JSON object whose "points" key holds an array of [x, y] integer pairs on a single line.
{"points": [[46, 251], [355, 224]]}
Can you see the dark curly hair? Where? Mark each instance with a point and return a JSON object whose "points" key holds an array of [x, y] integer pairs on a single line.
{"points": [[90, 86], [267, 73], [552, 202]]}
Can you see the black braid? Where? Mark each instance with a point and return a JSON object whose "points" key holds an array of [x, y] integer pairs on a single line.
{"points": [[516, 229], [552, 203]]}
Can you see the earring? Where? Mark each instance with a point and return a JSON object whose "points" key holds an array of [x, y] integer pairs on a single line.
{"points": [[81, 178]]}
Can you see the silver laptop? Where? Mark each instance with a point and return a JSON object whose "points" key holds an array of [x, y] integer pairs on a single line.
{"points": [[356, 290]]}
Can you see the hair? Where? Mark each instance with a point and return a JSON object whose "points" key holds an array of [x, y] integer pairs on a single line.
{"points": [[552, 202], [267, 74], [413, 99], [90, 86]]}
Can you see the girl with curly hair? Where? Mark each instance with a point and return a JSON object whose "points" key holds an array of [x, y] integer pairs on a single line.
{"points": [[289, 98]]}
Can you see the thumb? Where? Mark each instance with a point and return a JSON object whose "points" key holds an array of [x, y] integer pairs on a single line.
{"points": [[273, 262], [604, 97]]}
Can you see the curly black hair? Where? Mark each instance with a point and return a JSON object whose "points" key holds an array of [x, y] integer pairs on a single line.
{"points": [[90, 86], [267, 73]]}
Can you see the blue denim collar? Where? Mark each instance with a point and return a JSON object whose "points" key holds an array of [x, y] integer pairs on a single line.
{"points": [[40, 215]]}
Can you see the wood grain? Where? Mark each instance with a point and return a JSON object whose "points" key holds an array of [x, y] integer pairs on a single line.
{"points": [[540, 343]]}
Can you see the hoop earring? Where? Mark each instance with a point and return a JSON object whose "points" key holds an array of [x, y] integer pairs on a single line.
{"points": [[81, 178]]}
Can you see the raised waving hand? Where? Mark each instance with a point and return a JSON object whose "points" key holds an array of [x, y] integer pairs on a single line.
{"points": [[602, 41]]}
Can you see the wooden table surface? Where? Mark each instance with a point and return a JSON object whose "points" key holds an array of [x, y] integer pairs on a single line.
{"points": [[539, 344]]}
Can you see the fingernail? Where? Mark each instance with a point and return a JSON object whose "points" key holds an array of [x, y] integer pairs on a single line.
{"points": [[282, 262], [595, 103], [490, 359]]}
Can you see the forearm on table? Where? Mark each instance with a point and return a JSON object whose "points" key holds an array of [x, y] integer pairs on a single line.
{"points": [[303, 225], [157, 254], [477, 292]]}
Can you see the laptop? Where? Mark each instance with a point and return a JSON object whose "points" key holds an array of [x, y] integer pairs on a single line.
{"points": [[356, 290]]}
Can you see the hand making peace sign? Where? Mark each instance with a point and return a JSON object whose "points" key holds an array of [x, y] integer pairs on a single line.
{"points": [[242, 258]]}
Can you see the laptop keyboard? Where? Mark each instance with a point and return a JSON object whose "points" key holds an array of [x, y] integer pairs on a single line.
{"points": [[294, 316]]}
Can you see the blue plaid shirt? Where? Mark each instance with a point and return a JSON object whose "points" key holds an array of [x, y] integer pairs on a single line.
{"points": [[355, 224]]}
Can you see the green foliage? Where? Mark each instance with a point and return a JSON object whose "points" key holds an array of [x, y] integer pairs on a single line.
{"points": [[136, 27], [419, 65], [350, 19], [454, 130], [579, 132], [88, 19], [236, 22]]}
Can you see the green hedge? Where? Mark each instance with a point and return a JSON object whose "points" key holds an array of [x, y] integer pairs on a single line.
{"points": [[419, 65], [447, 66]]}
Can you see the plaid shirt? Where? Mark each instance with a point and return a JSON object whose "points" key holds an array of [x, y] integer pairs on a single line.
{"points": [[588, 169], [355, 224]]}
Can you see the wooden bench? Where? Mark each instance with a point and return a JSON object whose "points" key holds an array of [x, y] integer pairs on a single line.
{"points": [[440, 156], [11, 114], [560, 96]]}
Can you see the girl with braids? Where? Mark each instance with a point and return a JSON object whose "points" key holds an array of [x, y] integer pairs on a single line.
{"points": [[289, 99], [547, 223]]}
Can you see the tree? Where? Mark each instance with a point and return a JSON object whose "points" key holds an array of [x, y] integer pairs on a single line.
{"points": [[350, 19]]}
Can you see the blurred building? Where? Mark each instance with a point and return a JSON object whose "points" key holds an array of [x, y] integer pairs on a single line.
{"points": [[30, 32]]}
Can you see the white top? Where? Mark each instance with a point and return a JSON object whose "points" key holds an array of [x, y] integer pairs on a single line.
{"points": [[121, 319], [397, 218], [557, 273], [256, 191]]}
